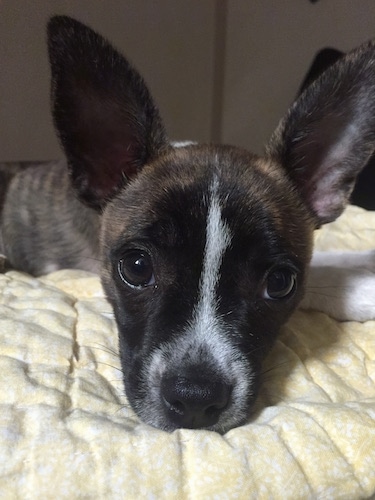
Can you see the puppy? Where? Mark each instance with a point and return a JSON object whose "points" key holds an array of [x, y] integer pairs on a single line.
{"points": [[203, 250]]}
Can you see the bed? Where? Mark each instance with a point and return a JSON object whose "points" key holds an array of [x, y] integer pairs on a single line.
{"points": [[66, 430]]}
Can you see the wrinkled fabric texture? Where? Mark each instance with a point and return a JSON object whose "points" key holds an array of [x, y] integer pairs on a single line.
{"points": [[66, 430]]}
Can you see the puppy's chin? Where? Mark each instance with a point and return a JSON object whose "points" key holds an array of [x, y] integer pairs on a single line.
{"points": [[161, 421]]}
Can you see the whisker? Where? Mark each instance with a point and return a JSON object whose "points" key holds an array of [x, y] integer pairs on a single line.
{"points": [[106, 349], [255, 349], [111, 366], [275, 367], [123, 407], [327, 295], [323, 287], [95, 259]]}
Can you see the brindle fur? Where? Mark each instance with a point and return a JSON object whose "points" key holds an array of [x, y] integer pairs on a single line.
{"points": [[42, 214]]}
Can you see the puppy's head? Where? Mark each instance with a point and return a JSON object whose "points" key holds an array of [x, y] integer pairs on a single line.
{"points": [[204, 248]]}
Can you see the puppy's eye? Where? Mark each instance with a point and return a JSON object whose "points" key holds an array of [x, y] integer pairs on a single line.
{"points": [[280, 283], [136, 269]]}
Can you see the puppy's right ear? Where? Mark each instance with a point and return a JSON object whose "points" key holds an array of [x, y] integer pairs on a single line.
{"points": [[103, 112], [328, 134]]}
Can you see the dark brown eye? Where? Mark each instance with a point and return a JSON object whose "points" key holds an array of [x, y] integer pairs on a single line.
{"points": [[136, 269], [280, 283]]}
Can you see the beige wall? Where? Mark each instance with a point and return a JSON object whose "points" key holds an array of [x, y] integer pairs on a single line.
{"points": [[219, 70], [270, 45], [171, 42]]}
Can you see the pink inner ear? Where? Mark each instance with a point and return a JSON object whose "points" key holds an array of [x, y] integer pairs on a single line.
{"points": [[108, 143], [109, 168], [324, 163], [328, 203]]}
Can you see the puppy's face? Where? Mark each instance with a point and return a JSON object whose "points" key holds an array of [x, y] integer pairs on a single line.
{"points": [[204, 259], [204, 248]]}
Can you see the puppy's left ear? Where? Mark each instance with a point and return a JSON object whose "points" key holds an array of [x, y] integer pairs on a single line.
{"points": [[106, 119], [328, 134]]}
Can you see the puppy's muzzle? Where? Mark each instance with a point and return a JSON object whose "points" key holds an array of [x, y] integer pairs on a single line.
{"points": [[196, 383], [193, 401]]}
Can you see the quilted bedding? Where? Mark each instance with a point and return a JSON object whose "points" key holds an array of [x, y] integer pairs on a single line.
{"points": [[66, 430]]}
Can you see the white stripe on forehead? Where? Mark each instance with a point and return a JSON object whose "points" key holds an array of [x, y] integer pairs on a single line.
{"points": [[218, 239], [205, 344]]}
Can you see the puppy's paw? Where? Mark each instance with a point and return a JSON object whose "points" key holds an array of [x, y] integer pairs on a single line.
{"points": [[342, 285], [4, 264]]}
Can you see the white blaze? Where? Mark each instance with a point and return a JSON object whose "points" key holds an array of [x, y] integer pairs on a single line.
{"points": [[205, 341], [218, 239]]}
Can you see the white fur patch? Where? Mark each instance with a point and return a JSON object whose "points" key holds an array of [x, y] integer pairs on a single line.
{"points": [[182, 144], [342, 285], [218, 239], [50, 268]]}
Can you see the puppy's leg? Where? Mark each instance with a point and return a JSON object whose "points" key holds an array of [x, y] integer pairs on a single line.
{"points": [[4, 264], [342, 284]]}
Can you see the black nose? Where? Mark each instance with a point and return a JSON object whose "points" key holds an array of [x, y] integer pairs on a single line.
{"points": [[194, 402]]}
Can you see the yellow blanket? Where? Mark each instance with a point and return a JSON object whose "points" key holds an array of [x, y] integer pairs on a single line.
{"points": [[66, 430]]}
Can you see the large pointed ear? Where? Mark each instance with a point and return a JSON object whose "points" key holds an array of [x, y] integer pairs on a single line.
{"points": [[328, 134], [102, 109]]}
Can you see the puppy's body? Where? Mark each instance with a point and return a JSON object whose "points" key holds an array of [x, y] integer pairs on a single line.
{"points": [[41, 212], [203, 250]]}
